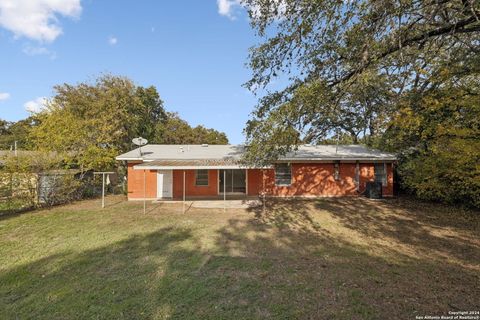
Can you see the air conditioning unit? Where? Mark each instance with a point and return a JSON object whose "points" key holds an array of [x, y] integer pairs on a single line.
{"points": [[374, 190]]}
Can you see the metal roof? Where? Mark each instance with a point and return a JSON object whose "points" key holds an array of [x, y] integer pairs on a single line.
{"points": [[234, 153]]}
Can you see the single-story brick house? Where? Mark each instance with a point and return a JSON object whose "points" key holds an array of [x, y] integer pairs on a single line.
{"points": [[178, 171]]}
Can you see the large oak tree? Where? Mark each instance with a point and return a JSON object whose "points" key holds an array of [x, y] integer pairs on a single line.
{"points": [[347, 63]]}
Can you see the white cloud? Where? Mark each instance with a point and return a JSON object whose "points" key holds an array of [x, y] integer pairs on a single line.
{"points": [[37, 19], [227, 8], [4, 96], [36, 105], [35, 51], [112, 41]]}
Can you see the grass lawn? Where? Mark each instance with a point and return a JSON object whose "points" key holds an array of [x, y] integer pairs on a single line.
{"points": [[298, 259]]}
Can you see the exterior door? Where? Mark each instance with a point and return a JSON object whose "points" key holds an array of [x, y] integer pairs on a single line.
{"points": [[164, 183], [232, 181]]}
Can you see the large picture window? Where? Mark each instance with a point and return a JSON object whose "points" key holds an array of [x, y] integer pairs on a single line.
{"points": [[201, 178], [283, 174], [381, 173]]}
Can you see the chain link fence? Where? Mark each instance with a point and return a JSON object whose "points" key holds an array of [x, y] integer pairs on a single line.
{"points": [[26, 191]]}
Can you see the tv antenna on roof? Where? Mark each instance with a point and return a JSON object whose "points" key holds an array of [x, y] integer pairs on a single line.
{"points": [[140, 142]]}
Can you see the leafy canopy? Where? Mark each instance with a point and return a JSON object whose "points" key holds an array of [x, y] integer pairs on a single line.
{"points": [[347, 64], [89, 124]]}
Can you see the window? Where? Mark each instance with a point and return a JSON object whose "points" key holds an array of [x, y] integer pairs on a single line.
{"points": [[336, 172], [283, 174], [381, 173], [201, 178]]}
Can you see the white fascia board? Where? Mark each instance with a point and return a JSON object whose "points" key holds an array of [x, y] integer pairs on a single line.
{"points": [[304, 160], [128, 159], [139, 167], [134, 159]]}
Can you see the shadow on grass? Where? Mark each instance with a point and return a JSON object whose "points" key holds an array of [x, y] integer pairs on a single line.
{"points": [[277, 263], [426, 228]]}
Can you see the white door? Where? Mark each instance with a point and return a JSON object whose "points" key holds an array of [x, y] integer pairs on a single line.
{"points": [[164, 183]]}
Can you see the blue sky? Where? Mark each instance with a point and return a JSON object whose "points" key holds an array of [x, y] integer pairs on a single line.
{"points": [[194, 52]]}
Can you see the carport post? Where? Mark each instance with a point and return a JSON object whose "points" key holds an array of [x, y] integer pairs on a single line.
{"points": [[263, 187], [144, 192], [224, 190], [183, 191]]}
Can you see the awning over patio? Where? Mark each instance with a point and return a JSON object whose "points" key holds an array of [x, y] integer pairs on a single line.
{"points": [[190, 164]]}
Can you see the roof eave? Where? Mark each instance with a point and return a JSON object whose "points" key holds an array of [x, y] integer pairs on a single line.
{"points": [[339, 159]]}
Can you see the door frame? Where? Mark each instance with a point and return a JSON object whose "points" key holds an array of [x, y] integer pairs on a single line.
{"points": [[163, 172], [220, 192]]}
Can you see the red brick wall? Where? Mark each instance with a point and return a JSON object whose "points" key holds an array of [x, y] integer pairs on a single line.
{"points": [[308, 179], [135, 183], [190, 188], [316, 179]]}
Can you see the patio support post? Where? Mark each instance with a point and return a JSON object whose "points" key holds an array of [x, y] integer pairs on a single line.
{"points": [[183, 191], [263, 189], [224, 190], [144, 191]]}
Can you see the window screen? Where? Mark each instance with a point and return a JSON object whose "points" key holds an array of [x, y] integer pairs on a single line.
{"points": [[283, 174], [381, 173], [201, 178]]}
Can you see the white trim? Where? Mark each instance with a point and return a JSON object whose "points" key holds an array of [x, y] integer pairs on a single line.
{"points": [[139, 167], [304, 160], [328, 160]]}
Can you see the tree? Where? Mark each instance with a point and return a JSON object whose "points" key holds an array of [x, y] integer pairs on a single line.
{"points": [[11, 132], [178, 131], [349, 63], [439, 139], [89, 124]]}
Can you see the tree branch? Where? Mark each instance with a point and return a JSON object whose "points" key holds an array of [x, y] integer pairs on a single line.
{"points": [[458, 27]]}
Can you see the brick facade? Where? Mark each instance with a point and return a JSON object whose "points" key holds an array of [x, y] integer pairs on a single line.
{"points": [[308, 179]]}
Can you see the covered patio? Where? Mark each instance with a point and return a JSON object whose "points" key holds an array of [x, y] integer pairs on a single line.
{"points": [[206, 183]]}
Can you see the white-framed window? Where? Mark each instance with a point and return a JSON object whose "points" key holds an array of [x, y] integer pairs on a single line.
{"points": [[336, 170], [201, 177], [380, 170], [283, 174]]}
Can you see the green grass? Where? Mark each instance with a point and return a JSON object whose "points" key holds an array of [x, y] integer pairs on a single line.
{"points": [[331, 258]]}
